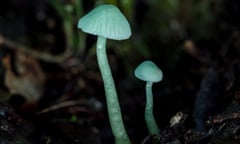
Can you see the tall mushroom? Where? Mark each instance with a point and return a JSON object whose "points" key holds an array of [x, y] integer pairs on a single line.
{"points": [[106, 21], [149, 72]]}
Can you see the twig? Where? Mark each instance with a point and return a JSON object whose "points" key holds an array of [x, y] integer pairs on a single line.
{"points": [[37, 54], [60, 106], [222, 118]]}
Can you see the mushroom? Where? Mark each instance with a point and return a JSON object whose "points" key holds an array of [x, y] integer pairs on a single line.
{"points": [[106, 21], [149, 72]]}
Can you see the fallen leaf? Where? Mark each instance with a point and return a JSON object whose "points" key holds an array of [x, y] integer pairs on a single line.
{"points": [[28, 80]]}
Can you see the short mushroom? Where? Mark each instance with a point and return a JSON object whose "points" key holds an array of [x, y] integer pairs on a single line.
{"points": [[149, 72], [106, 21]]}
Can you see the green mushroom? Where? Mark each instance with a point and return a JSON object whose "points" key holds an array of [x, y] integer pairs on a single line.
{"points": [[106, 21], [149, 72]]}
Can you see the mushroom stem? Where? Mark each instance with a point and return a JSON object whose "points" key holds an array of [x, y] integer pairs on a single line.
{"points": [[149, 117], [113, 107]]}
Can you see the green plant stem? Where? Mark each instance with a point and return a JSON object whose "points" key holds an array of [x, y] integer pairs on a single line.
{"points": [[149, 117], [81, 42], [113, 107]]}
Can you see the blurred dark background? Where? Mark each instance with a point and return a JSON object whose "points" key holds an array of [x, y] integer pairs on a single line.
{"points": [[50, 77]]}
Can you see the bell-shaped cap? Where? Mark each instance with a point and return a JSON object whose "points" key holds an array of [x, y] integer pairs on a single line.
{"points": [[107, 21], [148, 71]]}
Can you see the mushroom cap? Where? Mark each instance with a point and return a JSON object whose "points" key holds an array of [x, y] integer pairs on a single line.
{"points": [[148, 71], [107, 21]]}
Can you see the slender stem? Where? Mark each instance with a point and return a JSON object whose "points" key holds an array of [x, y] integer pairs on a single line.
{"points": [[149, 117], [114, 111]]}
